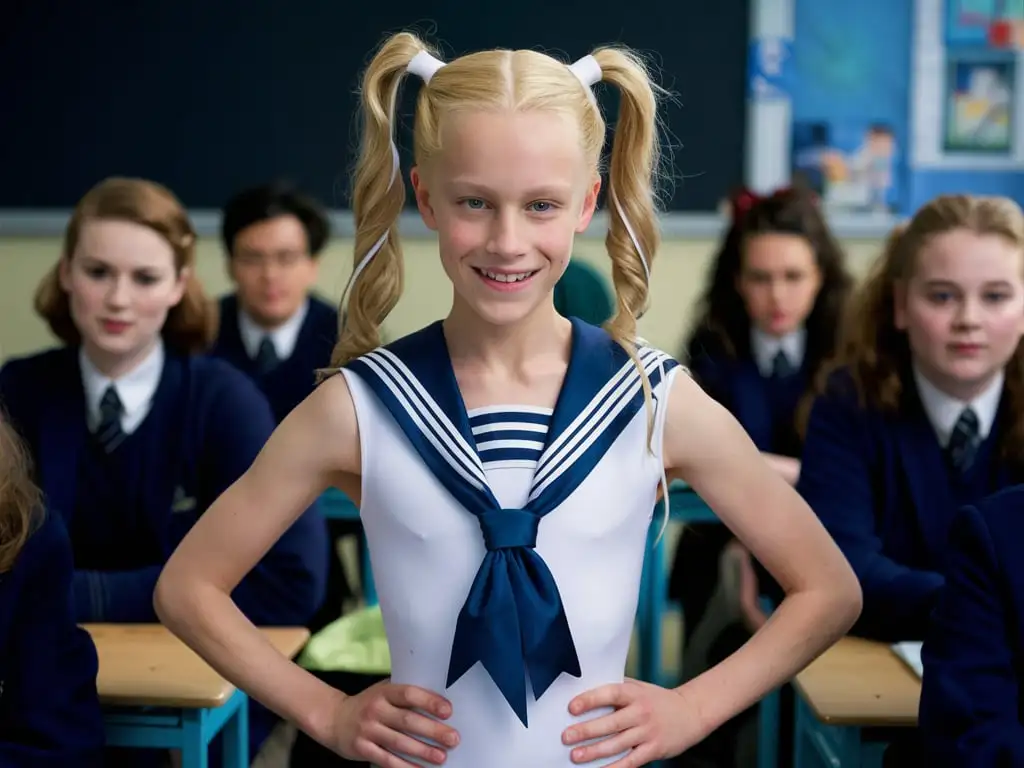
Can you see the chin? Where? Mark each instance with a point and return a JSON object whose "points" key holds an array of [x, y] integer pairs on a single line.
{"points": [[970, 371]]}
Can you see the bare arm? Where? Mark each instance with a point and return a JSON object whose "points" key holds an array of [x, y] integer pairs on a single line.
{"points": [[787, 467], [706, 447], [315, 447]]}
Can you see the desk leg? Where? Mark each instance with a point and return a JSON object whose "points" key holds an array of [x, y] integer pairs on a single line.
{"points": [[819, 745], [194, 744], [369, 588], [236, 738]]}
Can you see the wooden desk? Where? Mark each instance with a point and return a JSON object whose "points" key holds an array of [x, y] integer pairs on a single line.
{"points": [[844, 697], [157, 693]]}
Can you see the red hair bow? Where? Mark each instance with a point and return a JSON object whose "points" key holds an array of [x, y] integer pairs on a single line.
{"points": [[744, 199]]}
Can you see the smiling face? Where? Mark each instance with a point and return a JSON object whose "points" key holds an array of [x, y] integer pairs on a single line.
{"points": [[506, 196], [963, 309], [121, 281]]}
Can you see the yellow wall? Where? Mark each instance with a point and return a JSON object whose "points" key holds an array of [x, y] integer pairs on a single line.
{"points": [[678, 277]]}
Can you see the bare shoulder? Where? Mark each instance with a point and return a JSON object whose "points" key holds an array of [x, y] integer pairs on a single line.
{"points": [[696, 426], [321, 434]]}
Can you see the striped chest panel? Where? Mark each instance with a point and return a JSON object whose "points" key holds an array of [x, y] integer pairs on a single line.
{"points": [[510, 436]]}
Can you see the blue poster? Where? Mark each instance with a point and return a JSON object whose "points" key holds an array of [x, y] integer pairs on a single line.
{"points": [[850, 101], [770, 68]]}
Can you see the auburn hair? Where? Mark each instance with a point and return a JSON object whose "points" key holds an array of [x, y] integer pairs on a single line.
{"points": [[191, 325]]}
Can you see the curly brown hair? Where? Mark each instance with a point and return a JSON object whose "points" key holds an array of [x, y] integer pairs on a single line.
{"points": [[20, 499], [722, 325], [876, 353]]}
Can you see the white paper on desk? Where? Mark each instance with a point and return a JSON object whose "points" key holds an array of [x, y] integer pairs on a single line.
{"points": [[910, 654]]}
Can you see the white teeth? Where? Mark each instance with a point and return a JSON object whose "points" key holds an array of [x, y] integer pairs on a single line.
{"points": [[505, 278]]}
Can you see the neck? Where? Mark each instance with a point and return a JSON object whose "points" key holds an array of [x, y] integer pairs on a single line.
{"points": [[963, 391], [507, 348], [270, 324], [116, 366]]}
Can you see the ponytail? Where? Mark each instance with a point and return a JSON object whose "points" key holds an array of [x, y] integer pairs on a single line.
{"points": [[633, 235], [378, 197]]}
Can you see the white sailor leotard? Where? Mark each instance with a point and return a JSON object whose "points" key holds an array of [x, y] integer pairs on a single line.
{"points": [[477, 604]]}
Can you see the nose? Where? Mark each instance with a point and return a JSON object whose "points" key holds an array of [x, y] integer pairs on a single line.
{"points": [[968, 314], [506, 235], [119, 294], [775, 291]]}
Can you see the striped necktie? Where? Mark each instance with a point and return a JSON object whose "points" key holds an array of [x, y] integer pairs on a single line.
{"points": [[109, 432], [963, 442]]}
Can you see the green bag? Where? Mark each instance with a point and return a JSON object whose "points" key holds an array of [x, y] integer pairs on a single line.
{"points": [[354, 643]]}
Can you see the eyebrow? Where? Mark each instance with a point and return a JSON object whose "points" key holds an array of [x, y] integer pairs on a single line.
{"points": [[547, 190], [952, 284]]}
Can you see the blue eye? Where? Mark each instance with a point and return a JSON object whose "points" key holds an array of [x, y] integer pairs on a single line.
{"points": [[542, 206], [474, 203]]}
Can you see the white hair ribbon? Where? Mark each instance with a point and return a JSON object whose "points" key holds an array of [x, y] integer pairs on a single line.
{"points": [[424, 64]]}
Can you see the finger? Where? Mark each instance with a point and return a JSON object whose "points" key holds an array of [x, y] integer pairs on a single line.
{"points": [[376, 755], [403, 744], [606, 696], [607, 725], [416, 724], [622, 742], [640, 756], [414, 697]]}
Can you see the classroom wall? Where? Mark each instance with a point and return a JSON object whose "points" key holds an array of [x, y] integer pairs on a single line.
{"points": [[678, 277]]}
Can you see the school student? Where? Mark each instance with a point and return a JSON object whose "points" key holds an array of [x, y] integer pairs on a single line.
{"points": [[49, 712], [273, 327], [973, 676], [133, 436], [766, 323], [925, 410], [507, 460]]}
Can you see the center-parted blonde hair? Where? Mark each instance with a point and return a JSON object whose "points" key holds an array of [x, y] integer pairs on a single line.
{"points": [[499, 80], [876, 353]]}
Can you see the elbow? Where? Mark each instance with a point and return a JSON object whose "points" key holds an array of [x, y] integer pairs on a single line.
{"points": [[171, 602], [847, 601]]}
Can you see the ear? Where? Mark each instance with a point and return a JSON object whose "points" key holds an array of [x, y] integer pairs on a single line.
{"points": [[419, 187], [64, 274], [899, 305], [589, 206], [179, 286]]}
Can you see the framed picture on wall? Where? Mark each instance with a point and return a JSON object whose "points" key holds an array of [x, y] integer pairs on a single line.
{"points": [[973, 22], [981, 94]]}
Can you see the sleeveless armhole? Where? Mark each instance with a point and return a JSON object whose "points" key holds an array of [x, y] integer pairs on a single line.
{"points": [[664, 390], [359, 392], [658, 439]]}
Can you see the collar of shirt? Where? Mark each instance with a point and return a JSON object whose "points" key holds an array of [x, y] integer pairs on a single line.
{"points": [[135, 389], [943, 410], [764, 347], [284, 337]]}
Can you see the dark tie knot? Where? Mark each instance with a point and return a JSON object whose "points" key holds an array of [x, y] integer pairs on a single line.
{"points": [[509, 528], [110, 403]]}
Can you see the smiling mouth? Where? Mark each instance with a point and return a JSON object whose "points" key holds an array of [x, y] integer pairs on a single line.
{"points": [[506, 277]]}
